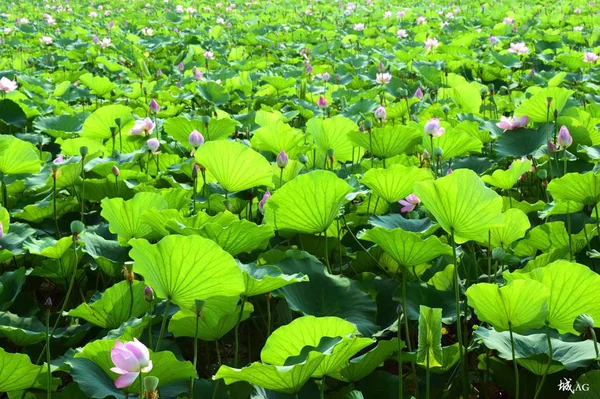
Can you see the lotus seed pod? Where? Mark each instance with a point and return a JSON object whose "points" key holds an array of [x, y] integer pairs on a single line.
{"points": [[303, 159], [583, 323], [151, 383], [77, 227], [438, 152], [542, 174], [498, 254], [83, 151]]}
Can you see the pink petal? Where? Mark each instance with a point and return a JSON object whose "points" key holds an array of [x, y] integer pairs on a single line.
{"points": [[126, 380], [139, 350], [117, 370], [407, 208], [124, 359]]}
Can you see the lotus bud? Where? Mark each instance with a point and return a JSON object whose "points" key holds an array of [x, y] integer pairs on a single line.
{"points": [[148, 294], [322, 103], [399, 310], [1, 229], [552, 146], [77, 227], [564, 138], [583, 323], [548, 101], [483, 92], [181, 66], [326, 76], [282, 159], [368, 124], [153, 144], [196, 139], [128, 271], [381, 66], [491, 87], [438, 152], [498, 254], [426, 155], [449, 171], [83, 150], [263, 201], [419, 93], [445, 109], [154, 107], [48, 303], [199, 306], [116, 171], [380, 113], [303, 159], [555, 113], [542, 174]]}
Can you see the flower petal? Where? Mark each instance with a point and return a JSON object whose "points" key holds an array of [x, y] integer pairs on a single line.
{"points": [[126, 380], [148, 368], [139, 350], [118, 370], [124, 359]]}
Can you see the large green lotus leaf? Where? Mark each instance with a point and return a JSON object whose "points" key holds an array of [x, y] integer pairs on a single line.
{"points": [[536, 107], [571, 354], [591, 380], [450, 356], [184, 269], [193, 225], [240, 236], [443, 280], [17, 156], [61, 126], [326, 294], [71, 146], [520, 305], [11, 284], [158, 220], [276, 137], [308, 331], [165, 365], [455, 143], [18, 373], [472, 128], [396, 182], [112, 308], [545, 237], [583, 188], [573, 290], [506, 179], [125, 217], [12, 113], [461, 203], [213, 93], [359, 367], [429, 351], [21, 331], [44, 209], [516, 224], [407, 248], [180, 128], [286, 379], [263, 279], [560, 207], [97, 125], [332, 133], [219, 316], [388, 141], [48, 247], [466, 96], [526, 207], [235, 166], [520, 142], [92, 380], [307, 204], [99, 85]]}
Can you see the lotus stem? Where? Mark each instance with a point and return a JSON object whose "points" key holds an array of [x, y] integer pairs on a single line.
{"points": [[54, 206], [82, 188], [327, 253], [48, 358], [539, 388], [569, 233], [141, 385], [404, 310], [237, 335], [512, 348], [132, 299], [163, 325], [400, 382], [4, 191], [268, 314], [461, 347], [427, 378], [593, 333], [489, 256], [150, 325], [337, 221], [195, 354]]}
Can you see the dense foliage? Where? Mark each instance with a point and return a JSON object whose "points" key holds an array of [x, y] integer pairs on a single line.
{"points": [[292, 199]]}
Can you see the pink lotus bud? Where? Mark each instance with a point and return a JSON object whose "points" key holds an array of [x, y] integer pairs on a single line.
{"points": [[181, 66], [419, 93], [148, 293], [433, 128], [196, 139], [322, 103], [326, 76], [263, 201], [552, 146], [409, 203], [154, 107], [282, 159], [380, 113], [564, 138], [153, 144]]}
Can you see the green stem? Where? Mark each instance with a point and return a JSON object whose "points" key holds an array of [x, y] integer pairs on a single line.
{"points": [[400, 382], [322, 390], [237, 335], [461, 347], [48, 358], [512, 348], [337, 222], [587, 239], [539, 388], [150, 325], [564, 163], [82, 189], [54, 207], [163, 325], [195, 355], [218, 352], [404, 310], [268, 315], [489, 256], [280, 177], [141, 385], [595, 344], [427, 378], [4, 191], [132, 299], [569, 234], [327, 253]]}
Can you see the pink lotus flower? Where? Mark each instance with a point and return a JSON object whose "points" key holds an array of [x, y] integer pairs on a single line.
{"points": [[419, 93], [400, 14], [590, 57], [577, 11], [60, 158], [359, 27], [47, 40], [519, 48], [197, 73], [143, 126], [325, 76], [380, 113], [433, 128], [153, 145], [409, 203], [7, 85], [263, 201], [209, 55], [383, 78], [421, 20], [322, 102], [130, 359], [154, 107], [512, 123], [401, 33], [429, 43], [493, 39], [508, 20], [564, 139]]}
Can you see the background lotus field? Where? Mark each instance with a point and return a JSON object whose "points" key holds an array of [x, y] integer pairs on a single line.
{"points": [[291, 199]]}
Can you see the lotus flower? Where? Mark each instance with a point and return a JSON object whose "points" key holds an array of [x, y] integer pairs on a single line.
{"points": [[60, 158], [383, 78], [181, 66], [105, 43], [400, 14], [263, 201], [552, 146], [322, 102], [130, 359], [326, 76], [564, 138], [47, 40], [590, 57], [409, 203], [421, 20], [512, 123], [143, 126], [577, 11], [282, 159], [197, 73], [154, 107], [7, 85], [209, 55], [359, 27], [419, 93], [116, 171], [153, 145], [380, 113], [433, 128], [196, 139], [429, 43], [493, 39], [578, 28], [401, 33], [519, 48]]}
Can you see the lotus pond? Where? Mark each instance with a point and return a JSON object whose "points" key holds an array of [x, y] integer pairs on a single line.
{"points": [[292, 199]]}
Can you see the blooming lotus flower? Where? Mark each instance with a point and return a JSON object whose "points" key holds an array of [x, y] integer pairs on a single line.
{"points": [[429, 43], [564, 138], [322, 102], [154, 107], [130, 359], [196, 139], [419, 93], [47, 40], [326, 76], [577, 11], [359, 27], [7, 85], [508, 20], [578, 28], [93, 14], [387, 14], [383, 78], [263, 201], [209, 55], [197, 73], [147, 31], [143, 126], [308, 67], [60, 158], [401, 33], [512, 123], [380, 113], [153, 145], [282, 159], [7, 31], [590, 57], [105, 43], [519, 48], [421, 20], [409, 203], [493, 39], [400, 14], [433, 128]]}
